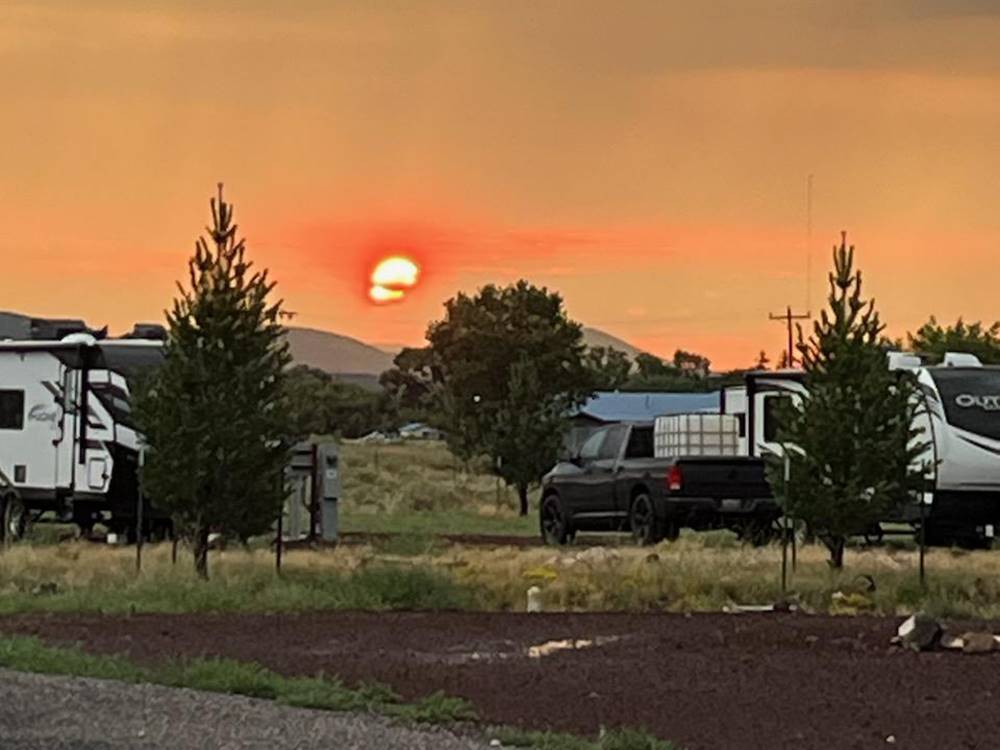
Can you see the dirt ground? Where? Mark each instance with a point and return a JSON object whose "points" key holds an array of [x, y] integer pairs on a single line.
{"points": [[704, 681]]}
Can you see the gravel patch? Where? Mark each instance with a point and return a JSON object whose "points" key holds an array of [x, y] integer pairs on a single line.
{"points": [[43, 712]]}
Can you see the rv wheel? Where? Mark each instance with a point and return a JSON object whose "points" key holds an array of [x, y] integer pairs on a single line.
{"points": [[15, 519]]}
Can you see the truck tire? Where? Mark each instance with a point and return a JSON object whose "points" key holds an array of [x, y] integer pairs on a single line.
{"points": [[645, 526], [553, 524]]}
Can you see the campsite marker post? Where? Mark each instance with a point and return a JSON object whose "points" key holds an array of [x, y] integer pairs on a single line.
{"points": [[784, 536]]}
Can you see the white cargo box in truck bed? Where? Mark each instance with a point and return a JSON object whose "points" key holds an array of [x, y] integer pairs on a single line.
{"points": [[696, 435]]}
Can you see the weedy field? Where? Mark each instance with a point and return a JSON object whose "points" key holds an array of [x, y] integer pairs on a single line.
{"points": [[418, 491], [699, 572]]}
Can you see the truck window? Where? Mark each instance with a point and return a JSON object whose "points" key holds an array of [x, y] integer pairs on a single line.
{"points": [[592, 447], [640, 443], [611, 448], [11, 410]]}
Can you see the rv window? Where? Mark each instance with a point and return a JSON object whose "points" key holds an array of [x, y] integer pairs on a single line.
{"points": [[771, 420], [640, 444], [11, 410], [971, 398], [71, 382]]}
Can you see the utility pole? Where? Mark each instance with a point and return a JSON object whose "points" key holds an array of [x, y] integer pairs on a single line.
{"points": [[788, 316], [809, 241]]}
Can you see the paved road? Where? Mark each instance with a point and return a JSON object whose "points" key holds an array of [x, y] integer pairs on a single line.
{"points": [[40, 712]]}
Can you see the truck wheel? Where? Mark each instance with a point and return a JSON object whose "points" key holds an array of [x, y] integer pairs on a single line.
{"points": [[643, 522], [553, 524]]}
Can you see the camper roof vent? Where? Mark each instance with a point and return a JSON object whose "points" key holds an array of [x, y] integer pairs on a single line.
{"points": [[961, 359], [80, 338], [903, 361], [153, 331]]}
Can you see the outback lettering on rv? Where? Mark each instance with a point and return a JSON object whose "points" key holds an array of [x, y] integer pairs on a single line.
{"points": [[986, 403], [38, 413]]}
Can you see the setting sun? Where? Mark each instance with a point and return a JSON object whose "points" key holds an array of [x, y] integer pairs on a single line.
{"points": [[391, 279]]}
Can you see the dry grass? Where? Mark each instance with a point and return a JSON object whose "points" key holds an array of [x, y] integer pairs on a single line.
{"points": [[690, 575], [696, 573]]}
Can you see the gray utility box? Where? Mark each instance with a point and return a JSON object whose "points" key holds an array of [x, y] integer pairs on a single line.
{"points": [[313, 480]]}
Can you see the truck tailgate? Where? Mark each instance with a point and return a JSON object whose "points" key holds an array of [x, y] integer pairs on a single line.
{"points": [[723, 477]]}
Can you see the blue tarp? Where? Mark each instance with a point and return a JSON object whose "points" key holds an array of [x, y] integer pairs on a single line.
{"points": [[645, 407]]}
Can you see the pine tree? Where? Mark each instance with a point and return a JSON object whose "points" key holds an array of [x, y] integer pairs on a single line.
{"points": [[851, 442], [216, 441]]}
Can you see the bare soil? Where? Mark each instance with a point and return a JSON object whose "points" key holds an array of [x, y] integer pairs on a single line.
{"points": [[704, 681]]}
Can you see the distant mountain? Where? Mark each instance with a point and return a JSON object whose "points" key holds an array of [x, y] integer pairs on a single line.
{"points": [[350, 359], [336, 354], [596, 337]]}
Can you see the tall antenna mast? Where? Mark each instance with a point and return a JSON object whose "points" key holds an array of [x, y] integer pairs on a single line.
{"points": [[809, 237]]}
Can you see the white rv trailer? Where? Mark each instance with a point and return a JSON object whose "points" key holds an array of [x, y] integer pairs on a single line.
{"points": [[68, 443], [960, 420]]}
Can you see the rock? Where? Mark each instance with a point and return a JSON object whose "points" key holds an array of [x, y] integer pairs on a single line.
{"points": [[811, 639], [920, 632], [495, 743], [978, 643], [890, 740]]}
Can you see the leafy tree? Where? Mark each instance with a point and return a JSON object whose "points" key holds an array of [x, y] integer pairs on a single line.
{"points": [[491, 350], [610, 367], [211, 416], [529, 429], [649, 367], [691, 365], [411, 386], [763, 361], [851, 442], [933, 340], [317, 404]]}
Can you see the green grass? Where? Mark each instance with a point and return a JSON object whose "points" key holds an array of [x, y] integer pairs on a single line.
{"points": [[615, 739], [29, 654], [91, 578], [433, 522]]}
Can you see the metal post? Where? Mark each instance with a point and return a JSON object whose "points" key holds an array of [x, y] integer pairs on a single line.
{"points": [[278, 543], [138, 513], [923, 539], [138, 533], [784, 536], [795, 546]]}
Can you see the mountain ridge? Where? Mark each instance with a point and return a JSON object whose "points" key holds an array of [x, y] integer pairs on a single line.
{"points": [[332, 352]]}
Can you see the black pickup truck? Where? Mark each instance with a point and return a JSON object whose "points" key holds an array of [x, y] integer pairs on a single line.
{"points": [[616, 484]]}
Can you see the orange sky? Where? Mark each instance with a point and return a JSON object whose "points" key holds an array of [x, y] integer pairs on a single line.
{"points": [[646, 159]]}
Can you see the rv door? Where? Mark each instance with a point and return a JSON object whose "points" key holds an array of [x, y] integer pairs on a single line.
{"points": [[65, 440]]}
